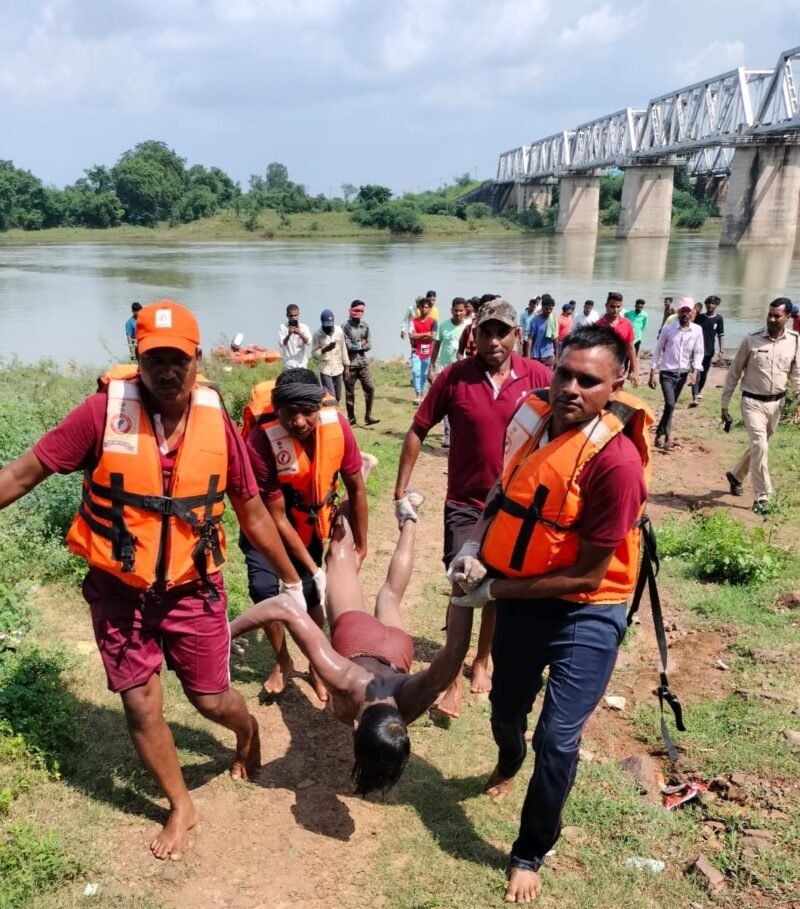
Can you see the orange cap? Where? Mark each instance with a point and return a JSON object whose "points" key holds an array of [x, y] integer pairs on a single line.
{"points": [[167, 324]]}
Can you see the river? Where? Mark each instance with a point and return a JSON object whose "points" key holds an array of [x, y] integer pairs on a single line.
{"points": [[70, 302]]}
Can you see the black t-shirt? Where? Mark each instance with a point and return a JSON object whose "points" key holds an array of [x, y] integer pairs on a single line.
{"points": [[713, 327]]}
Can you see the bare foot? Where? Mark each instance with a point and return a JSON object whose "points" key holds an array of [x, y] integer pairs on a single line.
{"points": [[523, 886], [450, 702], [171, 842], [318, 685], [368, 463], [497, 786], [276, 683], [481, 680], [247, 762]]}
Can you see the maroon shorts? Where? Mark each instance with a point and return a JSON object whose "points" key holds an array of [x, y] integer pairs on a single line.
{"points": [[135, 632], [357, 633]]}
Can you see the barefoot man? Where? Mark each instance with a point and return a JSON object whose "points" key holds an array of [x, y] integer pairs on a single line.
{"points": [[560, 539], [299, 447], [367, 662], [479, 395], [159, 453]]}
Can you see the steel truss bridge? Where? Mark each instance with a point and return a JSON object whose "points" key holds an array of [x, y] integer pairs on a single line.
{"points": [[702, 123]]}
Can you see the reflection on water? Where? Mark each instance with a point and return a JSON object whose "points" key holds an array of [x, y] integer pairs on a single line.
{"points": [[71, 302]]}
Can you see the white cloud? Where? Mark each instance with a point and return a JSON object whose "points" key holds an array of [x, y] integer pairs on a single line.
{"points": [[601, 27], [717, 57]]}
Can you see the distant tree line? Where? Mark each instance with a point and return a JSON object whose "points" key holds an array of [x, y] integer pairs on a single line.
{"points": [[151, 184]]}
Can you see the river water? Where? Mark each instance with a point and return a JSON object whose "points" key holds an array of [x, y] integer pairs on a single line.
{"points": [[70, 302]]}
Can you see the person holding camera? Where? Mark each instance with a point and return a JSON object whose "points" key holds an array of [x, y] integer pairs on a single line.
{"points": [[294, 338]]}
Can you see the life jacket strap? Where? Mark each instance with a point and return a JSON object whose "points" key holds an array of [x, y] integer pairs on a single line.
{"points": [[647, 576]]}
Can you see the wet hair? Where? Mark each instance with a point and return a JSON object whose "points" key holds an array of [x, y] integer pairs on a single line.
{"points": [[381, 748], [614, 295], [136, 307], [589, 336], [783, 303], [296, 377]]}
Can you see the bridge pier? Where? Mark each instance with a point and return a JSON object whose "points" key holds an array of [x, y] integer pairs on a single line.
{"points": [[578, 204], [646, 206], [530, 195], [763, 200]]}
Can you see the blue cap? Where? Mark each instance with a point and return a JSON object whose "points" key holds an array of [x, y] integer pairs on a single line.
{"points": [[326, 317]]}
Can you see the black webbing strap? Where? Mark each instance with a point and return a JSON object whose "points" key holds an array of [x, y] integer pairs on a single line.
{"points": [[294, 498], [647, 575], [530, 518]]}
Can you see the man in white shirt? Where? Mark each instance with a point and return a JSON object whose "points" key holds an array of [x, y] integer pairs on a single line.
{"points": [[587, 317], [678, 357], [331, 354], [294, 338]]}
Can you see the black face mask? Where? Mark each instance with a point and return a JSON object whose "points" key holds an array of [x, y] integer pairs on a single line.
{"points": [[328, 329]]}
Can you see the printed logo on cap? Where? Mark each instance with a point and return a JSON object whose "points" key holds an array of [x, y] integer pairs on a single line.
{"points": [[163, 318]]}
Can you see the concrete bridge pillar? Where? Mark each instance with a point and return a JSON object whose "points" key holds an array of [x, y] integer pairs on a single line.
{"points": [[763, 200], [646, 206], [578, 204], [534, 195]]}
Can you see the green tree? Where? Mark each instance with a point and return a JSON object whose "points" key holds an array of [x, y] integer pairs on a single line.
{"points": [[348, 191], [149, 181], [372, 195], [277, 175], [24, 201]]}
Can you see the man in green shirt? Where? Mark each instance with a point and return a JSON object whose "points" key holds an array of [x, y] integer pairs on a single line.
{"points": [[638, 318], [445, 348]]}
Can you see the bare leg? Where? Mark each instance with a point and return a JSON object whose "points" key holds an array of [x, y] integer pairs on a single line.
{"points": [[284, 667], [481, 678], [156, 748], [320, 690], [450, 702], [229, 710], [387, 602], [344, 590], [523, 886]]}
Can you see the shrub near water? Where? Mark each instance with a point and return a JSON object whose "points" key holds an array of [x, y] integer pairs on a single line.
{"points": [[718, 548]]}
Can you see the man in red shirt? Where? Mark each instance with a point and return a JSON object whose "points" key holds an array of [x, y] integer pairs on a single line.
{"points": [[422, 334], [479, 395], [624, 328], [158, 592], [297, 399]]}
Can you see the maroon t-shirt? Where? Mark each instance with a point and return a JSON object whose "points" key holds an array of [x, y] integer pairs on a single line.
{"points": [[613, 492], [464, 393], [77, 442], [266, 471], [623, 327]]}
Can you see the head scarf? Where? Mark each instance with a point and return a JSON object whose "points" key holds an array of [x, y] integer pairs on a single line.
{"points": [[303, 394]]}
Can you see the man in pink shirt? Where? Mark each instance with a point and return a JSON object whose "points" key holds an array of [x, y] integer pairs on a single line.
{"points": [[624, 329], [479, 394]]}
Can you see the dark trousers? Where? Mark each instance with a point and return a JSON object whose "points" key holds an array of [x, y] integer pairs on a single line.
{"points": [[671, 387], [363, 375], [579, 644], [333, 385], [700, 384], [263, 581]]}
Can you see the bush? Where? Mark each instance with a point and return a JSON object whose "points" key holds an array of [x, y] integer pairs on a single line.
{"points": [[692, 218], [610, 215], [718, 548], [397, 217], [479, 211], [31, 863]]}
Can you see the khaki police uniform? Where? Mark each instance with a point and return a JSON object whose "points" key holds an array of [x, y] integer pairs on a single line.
{"points": [[765, 366]]}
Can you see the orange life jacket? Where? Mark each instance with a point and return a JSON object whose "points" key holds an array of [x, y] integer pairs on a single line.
{"points": [[310, 488], [535, 526], [260, 403], [127, 523]]}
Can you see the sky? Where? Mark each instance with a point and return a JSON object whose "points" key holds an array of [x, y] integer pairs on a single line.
{"points": [[407, 94]]}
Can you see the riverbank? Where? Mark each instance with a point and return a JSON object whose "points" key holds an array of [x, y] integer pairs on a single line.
{"points": [[77, 809]]}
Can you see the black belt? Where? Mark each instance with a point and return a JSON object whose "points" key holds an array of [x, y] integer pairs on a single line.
{"points": [[755, 397]]}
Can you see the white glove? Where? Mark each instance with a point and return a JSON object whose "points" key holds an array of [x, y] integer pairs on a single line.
{"points": [[295, 591], [466, 569], [477, 598], [321, 583], [404, 511]]}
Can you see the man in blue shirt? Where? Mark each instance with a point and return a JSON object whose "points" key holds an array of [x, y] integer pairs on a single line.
{"points": [[526, 315], [541, 341], [130, 330]]}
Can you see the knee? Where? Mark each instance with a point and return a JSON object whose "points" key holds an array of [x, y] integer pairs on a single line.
{"points": [[142, 707], [211, 706]]}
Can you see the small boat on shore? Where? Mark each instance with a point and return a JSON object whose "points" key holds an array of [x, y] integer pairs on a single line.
{"points": [[247, 356]]}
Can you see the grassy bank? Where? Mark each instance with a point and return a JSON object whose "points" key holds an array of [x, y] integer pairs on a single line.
{"points": [[76, 807], [269, 225]]}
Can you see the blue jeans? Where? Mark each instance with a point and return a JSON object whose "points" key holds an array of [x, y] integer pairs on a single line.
{"points": [[419, 372], [579, 644]]}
